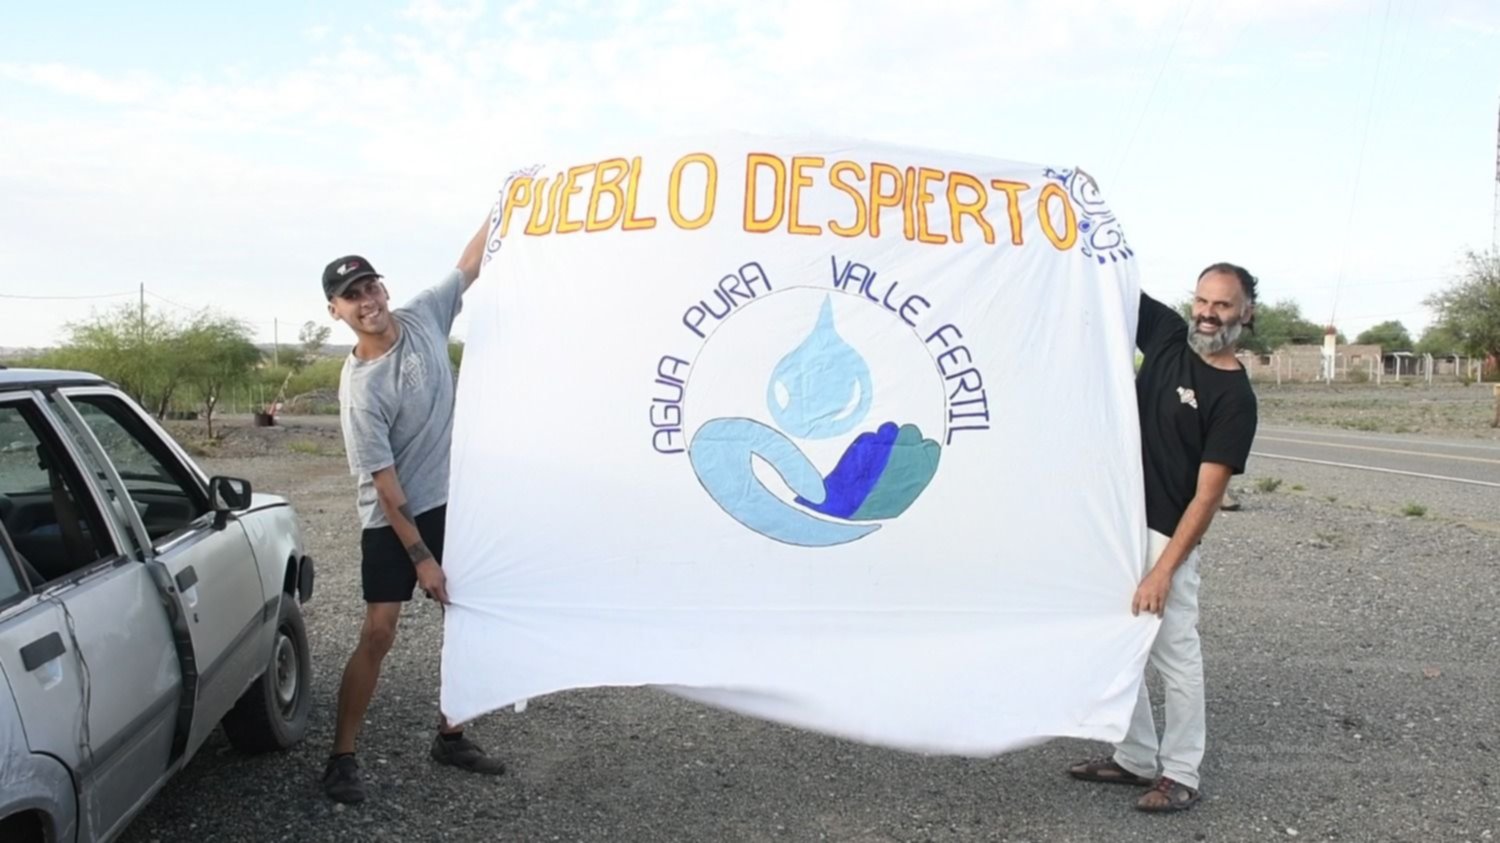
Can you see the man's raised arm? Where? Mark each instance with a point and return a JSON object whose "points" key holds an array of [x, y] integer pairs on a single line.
{"points": [[473, 255]]}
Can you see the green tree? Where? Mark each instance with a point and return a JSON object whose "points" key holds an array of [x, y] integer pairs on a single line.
{"points": [[131, 347], [216, 354], [158, 360], [456, 353], [1282, 324], [1438, 341], [1390, 336], [1469, 310], [313, 337], [320, 376]]}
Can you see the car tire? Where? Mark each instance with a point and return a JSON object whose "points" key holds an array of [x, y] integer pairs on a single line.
{"points": [[273, 712]]}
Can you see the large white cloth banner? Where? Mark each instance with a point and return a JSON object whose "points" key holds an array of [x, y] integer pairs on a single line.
{"points": [[840, 435]]}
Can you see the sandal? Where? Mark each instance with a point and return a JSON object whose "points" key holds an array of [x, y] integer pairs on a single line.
{"points": [[1168, 795], [1107, 771]]}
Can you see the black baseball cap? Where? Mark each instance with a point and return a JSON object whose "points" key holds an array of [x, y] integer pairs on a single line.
{"points": [[339, 274]]}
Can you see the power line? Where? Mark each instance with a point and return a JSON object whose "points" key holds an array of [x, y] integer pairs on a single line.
{"points": [[1171, 47], [161, 297], [1359, 164], [262, 322]]}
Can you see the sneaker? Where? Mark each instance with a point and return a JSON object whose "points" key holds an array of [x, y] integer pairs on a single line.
{"points": [[341, 780], [465, 755]]}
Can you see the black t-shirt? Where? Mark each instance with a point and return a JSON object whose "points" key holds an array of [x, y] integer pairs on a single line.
{"points": [[1191, 413]]}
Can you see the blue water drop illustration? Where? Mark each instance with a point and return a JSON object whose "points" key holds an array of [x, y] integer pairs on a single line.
{"points": [[820, 389]]}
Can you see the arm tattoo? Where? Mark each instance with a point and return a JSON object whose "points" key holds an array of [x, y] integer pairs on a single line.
{"points": [[418, 551]]}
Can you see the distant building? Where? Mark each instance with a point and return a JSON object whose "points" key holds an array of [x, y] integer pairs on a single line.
{"points": [[1353, 364], [1304, 363]]}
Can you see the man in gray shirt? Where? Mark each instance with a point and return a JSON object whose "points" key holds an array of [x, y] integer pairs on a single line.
{"points": [[396, 401]]}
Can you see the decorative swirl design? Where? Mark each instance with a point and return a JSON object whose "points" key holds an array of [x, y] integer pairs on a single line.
{"points": [[1103, 238]]}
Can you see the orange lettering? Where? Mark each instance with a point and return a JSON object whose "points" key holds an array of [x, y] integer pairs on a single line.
{"points": [[607, 184], [710, 191], [1070, 233], [1012, 191], [539, 225], [908, 205], [632, 223], [860, 217], [878, 199], [519, 188], [565, 225], [924, 197], [974, 208], [754, 162], [800, 181]]}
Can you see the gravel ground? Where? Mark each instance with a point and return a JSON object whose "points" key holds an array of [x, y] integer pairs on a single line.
{"points": [[1363, 492], [1351, 674], [1447, 409]]}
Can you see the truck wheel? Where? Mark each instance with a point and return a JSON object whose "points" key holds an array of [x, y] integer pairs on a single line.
{"points": [[272, 714]]}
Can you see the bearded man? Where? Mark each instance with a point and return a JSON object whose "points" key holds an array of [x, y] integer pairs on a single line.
{"points": [[1198, 418]]}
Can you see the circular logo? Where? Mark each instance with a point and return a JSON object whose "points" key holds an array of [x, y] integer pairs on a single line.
{"points": [[814, 416]]}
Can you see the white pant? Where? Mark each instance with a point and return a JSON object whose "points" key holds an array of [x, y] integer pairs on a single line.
{"points": [[1177, 656]]}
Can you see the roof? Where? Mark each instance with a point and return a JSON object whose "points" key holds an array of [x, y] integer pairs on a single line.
{"points": [[22, 378]]}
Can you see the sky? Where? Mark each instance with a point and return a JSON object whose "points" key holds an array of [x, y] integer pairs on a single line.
{"points": [[1343, 150]]}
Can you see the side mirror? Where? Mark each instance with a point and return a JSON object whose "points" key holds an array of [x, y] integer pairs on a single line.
{"points": [[229, 494]]}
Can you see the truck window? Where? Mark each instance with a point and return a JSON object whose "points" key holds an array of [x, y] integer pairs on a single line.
{"points": [[53, 524], [167, 495]]}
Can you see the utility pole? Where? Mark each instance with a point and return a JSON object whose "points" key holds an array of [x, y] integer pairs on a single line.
{"points": [[143, 314], [275, 342], [1495, 214]]}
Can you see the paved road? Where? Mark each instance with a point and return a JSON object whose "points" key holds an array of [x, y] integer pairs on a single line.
{"points": [[1469, 463]]}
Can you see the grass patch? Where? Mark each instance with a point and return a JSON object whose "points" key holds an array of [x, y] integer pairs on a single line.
{"points": [[1333, 498], [199, 447], [302, 446], [1329, 540], [1299, 488], [1268, 484], [1414, 510]]}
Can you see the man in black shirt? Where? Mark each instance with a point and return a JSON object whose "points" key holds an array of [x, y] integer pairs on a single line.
{"points": [[1198, 419]]}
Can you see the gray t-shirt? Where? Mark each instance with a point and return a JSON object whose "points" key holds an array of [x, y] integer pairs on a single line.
{"points": [[397, 409]]}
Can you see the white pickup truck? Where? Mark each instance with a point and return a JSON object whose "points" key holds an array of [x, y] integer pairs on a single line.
{"points": [[142, 604]]}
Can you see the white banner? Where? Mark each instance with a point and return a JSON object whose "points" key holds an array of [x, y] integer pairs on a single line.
{"points": [[838, 434]]}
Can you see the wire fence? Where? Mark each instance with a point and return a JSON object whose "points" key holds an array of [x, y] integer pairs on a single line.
{"points": [[1314, 365]]}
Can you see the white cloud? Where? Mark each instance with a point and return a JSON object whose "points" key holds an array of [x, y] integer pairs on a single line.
{"points": [[1473, 25], [435, 14], [133, 88], [395, 132]]}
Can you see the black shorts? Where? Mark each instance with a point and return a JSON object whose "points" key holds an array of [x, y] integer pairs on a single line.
{"points": [[386, 569]]}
